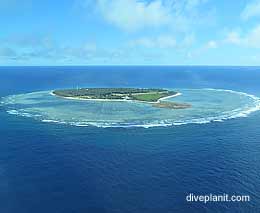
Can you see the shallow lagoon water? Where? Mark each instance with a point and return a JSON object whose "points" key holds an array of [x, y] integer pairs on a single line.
{"points": [[208, 105]]}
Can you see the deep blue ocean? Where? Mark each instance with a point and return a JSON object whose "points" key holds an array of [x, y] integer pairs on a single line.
{"points": [[55, 168]]}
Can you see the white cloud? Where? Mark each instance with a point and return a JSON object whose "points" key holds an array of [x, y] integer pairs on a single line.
{"points": [[250, 39], [202, 50], [143, 42], [233, 38], [132, 15], [162, 41], [166, 41], [211, 45], [251, 10]]}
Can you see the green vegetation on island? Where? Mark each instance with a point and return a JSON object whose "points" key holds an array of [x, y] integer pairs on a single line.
{"points": [[148, 95], [153, 96]]}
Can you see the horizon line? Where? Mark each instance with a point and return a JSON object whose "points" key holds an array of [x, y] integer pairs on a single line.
{"points": [[126, 65]]}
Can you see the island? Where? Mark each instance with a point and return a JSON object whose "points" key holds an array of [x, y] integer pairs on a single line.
{"points": [[156, 97]]}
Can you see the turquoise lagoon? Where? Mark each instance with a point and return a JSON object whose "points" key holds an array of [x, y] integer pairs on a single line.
{"points": [[208, 105]]}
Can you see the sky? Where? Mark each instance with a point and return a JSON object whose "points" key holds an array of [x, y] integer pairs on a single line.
{"points": [[129, 32]]}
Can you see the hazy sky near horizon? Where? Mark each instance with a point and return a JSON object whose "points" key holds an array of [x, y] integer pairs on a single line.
{"points": [[130, 32]]}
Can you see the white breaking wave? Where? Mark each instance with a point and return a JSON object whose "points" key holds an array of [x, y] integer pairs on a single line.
{"points": [[240, 112], [12, 112], [243, 112]]}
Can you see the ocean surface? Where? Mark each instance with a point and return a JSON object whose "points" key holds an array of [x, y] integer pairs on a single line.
{"points": [[53, 160]]}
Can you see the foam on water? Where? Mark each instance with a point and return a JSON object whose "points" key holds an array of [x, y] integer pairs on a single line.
{"points": [[208, 105]]}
